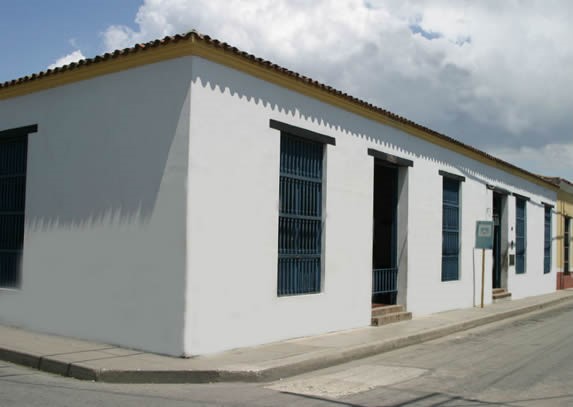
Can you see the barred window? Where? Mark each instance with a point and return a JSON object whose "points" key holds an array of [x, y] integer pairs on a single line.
{"points": [[13, 161], [300, 216], [520, 234], [547, 241], [451, 230]]}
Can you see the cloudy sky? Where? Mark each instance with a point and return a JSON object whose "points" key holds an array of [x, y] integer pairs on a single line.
{"points": [[494, 74]]}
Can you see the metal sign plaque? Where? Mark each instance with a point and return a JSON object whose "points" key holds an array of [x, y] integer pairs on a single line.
{"points": [[484, 234]]}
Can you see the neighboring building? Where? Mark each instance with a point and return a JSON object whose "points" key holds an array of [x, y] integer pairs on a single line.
{"points": [[564, 235], [183, 197]]}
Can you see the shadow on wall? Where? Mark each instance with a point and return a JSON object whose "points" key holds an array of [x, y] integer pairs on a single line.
{"points": [[272, 97], [105, 148]]}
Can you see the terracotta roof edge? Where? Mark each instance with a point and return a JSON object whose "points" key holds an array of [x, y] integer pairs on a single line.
{"points": [[225, 47]]}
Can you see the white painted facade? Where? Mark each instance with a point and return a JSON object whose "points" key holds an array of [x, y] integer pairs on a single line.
{"points": [[235, 107], [152, 213], [104, 245]]}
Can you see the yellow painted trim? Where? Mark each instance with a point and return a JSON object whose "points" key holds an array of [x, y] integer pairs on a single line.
{"points": [[200, 48], [566, 201], [104, 67], [564, 209], [236, 62]]}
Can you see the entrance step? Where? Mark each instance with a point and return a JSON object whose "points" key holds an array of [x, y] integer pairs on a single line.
{"points": [[386, 309], [500, 294], [388, 314]]}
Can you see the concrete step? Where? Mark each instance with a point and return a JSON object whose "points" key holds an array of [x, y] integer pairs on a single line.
{"points": [[501, 296], [498, 290], [387, 309], [389, 318]]}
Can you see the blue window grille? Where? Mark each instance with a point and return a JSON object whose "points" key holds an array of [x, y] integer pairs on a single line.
{"points": [[450, 230], [300, 216], [13, 158], [547, 241], [520, 233]]}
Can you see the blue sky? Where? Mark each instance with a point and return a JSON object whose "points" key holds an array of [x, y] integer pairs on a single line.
{"points": [[33, 34], [493, 74]]}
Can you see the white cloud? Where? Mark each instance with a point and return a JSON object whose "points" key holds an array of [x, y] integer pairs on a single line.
{"points": [[550, 160], [67, 59], [493, 74]]}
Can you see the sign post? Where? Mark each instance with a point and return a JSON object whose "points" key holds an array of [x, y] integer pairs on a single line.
{"points": [[482, 275], [484, 240]]}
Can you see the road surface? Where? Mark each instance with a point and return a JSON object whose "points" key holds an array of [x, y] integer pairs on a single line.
{"points": [[519, 362]]}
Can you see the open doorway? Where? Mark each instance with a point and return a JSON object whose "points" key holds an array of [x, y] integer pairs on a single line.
{"points": [[384, 253], [500, 245], [497, 215]]}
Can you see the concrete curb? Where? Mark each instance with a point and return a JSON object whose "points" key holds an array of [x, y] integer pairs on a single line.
{"points": [[375, 348], [287, 367]]}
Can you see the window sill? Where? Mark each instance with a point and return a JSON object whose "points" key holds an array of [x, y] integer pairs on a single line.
{"points": [[10, 290], [298, 295]]}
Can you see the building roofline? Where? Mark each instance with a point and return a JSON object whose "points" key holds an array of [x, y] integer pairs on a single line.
{"points": [[194, 43], [564, 184]]}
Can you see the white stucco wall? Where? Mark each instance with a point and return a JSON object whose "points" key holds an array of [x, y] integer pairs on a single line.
{"points": [[152, 213], [233, 217], [104, 251], [533, 281]]}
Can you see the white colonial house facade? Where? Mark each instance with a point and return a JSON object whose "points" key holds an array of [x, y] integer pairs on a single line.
{"points": [[185, 198]]}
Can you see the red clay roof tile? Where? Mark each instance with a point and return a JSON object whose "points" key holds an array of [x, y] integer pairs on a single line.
{"points": [[268, 65]]}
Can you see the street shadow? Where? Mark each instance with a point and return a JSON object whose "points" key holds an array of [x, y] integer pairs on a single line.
{"points": [[436, 399]]}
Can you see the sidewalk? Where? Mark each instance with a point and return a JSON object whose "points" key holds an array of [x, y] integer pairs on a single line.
{"points": [[106, 363]]}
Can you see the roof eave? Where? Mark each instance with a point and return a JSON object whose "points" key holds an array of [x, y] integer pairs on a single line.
{"points": [[193, 43]]}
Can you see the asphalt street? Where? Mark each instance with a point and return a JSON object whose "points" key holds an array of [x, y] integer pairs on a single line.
{"points": [[526, 361]]}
